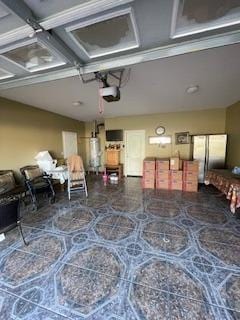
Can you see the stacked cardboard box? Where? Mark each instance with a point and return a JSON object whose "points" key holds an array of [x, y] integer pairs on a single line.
{"points": [[149, 173], [162, 174], [176, 180], [165, 174], [176, 174], [190, 176]]}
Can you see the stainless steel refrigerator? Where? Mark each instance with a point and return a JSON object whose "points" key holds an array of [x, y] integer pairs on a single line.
{"points": [[210, 151]]}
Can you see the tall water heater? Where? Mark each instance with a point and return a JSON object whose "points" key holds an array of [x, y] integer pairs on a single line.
{"points": [[95, 154]]}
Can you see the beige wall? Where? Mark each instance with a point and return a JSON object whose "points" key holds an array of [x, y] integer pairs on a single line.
{"points": [[233, 131], [24, 131], [196, 122]]}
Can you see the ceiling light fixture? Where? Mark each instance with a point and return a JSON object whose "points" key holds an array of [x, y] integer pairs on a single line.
{"points": [[192, 89]]}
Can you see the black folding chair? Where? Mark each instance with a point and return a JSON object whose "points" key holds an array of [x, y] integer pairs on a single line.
{"points": [[10, 217]]}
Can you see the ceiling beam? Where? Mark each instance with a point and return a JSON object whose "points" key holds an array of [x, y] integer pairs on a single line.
{"points": [[130, 59], [50, 40], [77, 12], [81, 11]]}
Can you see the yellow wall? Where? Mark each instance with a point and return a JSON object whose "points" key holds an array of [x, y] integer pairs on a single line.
{"points": [[233, 131], [196, 122], [24, 131]]}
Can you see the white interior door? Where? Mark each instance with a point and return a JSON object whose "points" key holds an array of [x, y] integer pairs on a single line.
{"points": [[70, 145], [200, 154], [134, 152]]}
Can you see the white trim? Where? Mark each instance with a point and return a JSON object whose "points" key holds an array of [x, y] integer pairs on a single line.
{"points": [[18, 45], [15, 35], [175, 34], [8, 74], [174, 18], [81, 11], [105, 17], [219, 26], [125, 149], [27, 42], [47, 66]]}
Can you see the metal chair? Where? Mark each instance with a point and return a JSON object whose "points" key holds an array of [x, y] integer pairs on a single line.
{"points": [[37, 182], [10, 217]]}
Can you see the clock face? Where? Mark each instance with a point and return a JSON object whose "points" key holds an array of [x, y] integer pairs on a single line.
{"points": [[160, 130]]}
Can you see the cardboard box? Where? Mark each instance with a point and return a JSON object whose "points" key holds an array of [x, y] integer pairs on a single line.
{"points": [[190, 186], [162, 164], [163, 184], [176, 185], [163, 174], [190, 176], [149, 164], [148, 184], [191, 166], [174, 163], [149, 174], [176, 175]]}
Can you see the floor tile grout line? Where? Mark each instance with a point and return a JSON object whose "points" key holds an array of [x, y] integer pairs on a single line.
{"points": [[167, 292], [19, 268], [125, 227], [125, 280], [169, 255], [31, 302]]}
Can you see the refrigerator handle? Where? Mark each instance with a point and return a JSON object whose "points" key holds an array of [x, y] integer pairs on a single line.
{"points": [[207, 154]]}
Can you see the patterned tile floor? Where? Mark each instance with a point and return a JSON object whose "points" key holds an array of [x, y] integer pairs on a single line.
{"points": [[124, 254]]}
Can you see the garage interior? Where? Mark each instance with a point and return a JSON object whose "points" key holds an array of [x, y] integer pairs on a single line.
{"points": [[119, 159]]}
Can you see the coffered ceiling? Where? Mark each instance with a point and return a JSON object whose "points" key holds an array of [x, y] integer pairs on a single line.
{"points": [[168, 44], [54, 39]]}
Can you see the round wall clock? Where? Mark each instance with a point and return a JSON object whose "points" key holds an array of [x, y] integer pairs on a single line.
{"points": [[160, 130]]}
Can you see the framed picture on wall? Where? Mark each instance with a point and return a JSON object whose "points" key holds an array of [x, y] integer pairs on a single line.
{"points": [[182, 138]]}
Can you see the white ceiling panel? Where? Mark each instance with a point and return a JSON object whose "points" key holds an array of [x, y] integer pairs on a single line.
{"points": [[106, 34], [33, 57], [4, 74], [194, 16]]}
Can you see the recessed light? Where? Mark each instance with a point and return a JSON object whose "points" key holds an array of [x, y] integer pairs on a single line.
{"points": [[77, 103], [192, 89]]}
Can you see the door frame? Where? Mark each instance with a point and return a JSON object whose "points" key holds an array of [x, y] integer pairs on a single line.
{"points": [[125, 144]]}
